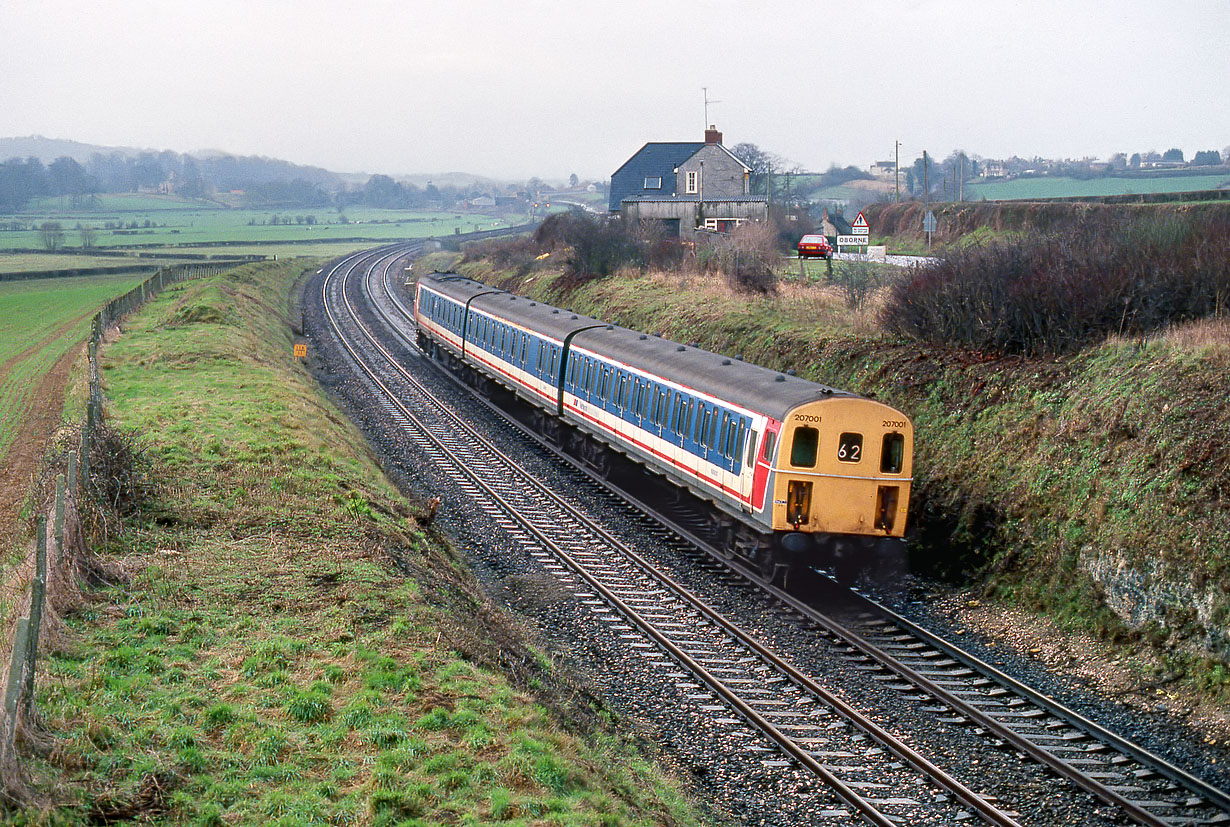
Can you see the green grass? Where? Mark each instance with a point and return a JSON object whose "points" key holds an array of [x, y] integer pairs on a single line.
{"points": [[43, 319], [174, 222], [1060, 187], [269, 659]]}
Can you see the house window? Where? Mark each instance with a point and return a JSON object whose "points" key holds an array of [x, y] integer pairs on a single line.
{"points": [[692, 185], [653, 183]]}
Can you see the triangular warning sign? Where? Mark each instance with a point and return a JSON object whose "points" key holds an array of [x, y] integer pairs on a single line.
{"points": [[859, 222]]}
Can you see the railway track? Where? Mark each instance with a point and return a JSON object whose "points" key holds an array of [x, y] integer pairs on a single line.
{"points": [[732, 679], [727, 673]]}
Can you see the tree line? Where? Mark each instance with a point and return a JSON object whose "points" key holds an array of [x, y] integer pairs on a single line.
{"points": [[259, 182]]}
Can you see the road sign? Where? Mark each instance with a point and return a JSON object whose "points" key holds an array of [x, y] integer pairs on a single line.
{"points": [[301, 351], [929, 222], [859, 227], [851, 240]]}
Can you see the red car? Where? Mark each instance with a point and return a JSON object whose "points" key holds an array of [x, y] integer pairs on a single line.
{"points": [[815, 246]]}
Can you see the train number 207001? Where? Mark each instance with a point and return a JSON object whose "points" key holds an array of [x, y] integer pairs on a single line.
{"points": [[893, 423]]}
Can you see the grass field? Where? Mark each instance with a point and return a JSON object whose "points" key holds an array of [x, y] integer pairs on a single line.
{"points": [[288, 646], [1026, 188], [40, 320], [143, 221], [38, 262]]}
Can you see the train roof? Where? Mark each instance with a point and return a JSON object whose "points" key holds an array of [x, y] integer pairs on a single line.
{"points": [[750, 386], [544, 318]]}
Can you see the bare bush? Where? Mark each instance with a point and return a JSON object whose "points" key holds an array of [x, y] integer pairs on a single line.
{"points": [[857, 280], [1056, 293], [121, 481], [516, 253], [746, 257]]}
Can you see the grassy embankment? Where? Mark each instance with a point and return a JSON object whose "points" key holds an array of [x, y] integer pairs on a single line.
{"points": [[960, 225], [1090, 487], [292, 646]]}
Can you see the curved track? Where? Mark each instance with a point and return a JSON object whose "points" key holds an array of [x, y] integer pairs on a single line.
{"points": [[732, 672]]}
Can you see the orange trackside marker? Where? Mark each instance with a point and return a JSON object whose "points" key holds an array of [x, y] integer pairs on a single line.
{"points": [[300, 351]]}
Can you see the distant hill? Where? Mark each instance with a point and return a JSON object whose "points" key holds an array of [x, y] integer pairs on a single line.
{"points": [[48, 149], [34, 166]]}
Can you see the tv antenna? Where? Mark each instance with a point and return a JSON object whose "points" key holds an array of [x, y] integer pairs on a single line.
{"points": [[705, 89]]}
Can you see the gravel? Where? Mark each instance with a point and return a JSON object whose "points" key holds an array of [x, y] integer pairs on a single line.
{"points": [[656, 705]]}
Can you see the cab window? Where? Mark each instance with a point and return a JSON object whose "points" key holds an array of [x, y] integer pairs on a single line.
{"points": [[892, 454], [804, 447]]}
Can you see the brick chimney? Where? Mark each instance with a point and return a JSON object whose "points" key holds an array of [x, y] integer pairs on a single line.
{"points": [[712, 136]]}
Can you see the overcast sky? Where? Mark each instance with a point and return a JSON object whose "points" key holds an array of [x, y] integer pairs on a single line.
{"points": [[535, 87]]}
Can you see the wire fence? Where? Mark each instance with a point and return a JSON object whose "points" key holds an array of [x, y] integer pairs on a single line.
{"points": [[60, 555]]}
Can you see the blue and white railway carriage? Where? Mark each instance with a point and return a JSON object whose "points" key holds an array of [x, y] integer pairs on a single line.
{"points": [[641, 394], [522, 343], [440, 312]]}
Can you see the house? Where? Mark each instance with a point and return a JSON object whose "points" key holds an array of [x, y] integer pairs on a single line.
{"points": [[884, 169], [689, 186], [835, 224]]}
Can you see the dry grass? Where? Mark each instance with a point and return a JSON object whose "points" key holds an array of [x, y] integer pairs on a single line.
{"points": [[1200, 334]]}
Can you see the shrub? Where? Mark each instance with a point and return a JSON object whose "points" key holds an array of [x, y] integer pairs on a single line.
{"points": [[1056, 293], [745, 257], [857, 280], [598, 248]]}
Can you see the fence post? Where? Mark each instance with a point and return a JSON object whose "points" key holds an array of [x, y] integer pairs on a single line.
{"points": [[74, 484], [13, 688], [59, 532], [86, 435], [38, 594]]}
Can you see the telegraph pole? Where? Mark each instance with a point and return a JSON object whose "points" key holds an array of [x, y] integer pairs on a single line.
{"points": [[897, 167]]}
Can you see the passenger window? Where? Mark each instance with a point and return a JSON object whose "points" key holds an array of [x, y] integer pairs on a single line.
{"points": [[770, 441], [850, 448], [803, 448], [892, 454], [751, 448]]}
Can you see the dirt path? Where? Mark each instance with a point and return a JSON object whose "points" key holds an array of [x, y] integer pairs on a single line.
{"points": [[43, 413], [7, 367]]}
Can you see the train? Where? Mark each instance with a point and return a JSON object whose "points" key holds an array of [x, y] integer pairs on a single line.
{"points": [[792, 475]]}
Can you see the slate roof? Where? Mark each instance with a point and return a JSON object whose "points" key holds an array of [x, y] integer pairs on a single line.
{"points": [[653, 198], [653, 160], [839, 223]]}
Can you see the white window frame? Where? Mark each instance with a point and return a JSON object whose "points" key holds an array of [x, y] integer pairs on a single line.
{"points": [[654, 183], [692, 182]]}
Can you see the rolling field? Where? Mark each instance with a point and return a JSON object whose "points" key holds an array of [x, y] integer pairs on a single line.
{"points": [[143, 221], [1026, 188], [40, 321]]}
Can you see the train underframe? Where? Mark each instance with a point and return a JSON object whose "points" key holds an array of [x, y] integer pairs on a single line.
{"points": [[778, 556]]}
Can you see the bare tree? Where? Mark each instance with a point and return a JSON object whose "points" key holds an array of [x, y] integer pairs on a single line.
{"points": [[89, 238], [52, 235]]}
